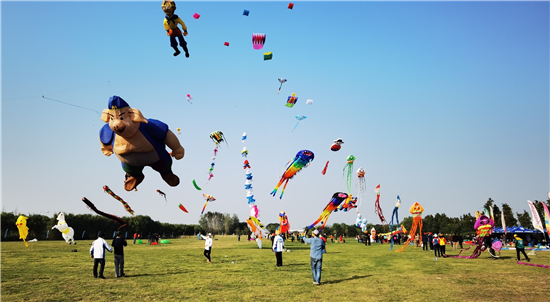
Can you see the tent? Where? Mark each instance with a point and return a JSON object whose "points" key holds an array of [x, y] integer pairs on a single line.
{"points": [[514, 230]]}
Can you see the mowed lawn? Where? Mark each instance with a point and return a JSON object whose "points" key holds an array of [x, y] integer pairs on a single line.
{"points": [[49, 271]]}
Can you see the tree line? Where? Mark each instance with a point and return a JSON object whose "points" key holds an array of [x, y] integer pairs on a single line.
{"points": [[87, 226]]}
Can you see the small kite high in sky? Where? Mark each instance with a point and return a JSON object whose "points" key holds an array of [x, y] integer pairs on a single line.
{"points": [[258, 40], [196, 16], [246, 12], [292, 99], [268, 56], [162, 194], [182, 208], [208, 198], [290, 5], [299, 118], [337, 144], [189, 98], [325, 168], [309, 102], [302, 160], [282, 81]]}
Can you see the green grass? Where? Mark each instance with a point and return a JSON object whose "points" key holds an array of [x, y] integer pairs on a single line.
{"points": [[49, 271]]}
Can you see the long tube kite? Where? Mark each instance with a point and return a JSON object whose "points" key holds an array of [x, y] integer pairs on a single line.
{"points": [[416, 211], [338, 199], [107, 215], [396, 214], [302, 160], [377, 207], [546, 218], [325, 168], [126, 206]]}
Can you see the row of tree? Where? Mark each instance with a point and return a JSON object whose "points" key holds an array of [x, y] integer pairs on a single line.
{"points": [[87, 226]]}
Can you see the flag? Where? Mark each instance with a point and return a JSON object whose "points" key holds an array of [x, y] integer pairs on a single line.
{"points": [[546, 218], [535, 218]]}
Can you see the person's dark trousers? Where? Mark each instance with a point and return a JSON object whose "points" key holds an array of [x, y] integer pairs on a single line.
{"points": [[436, 251], [523, 251], [207, 253], [431, 246], [425, 246], [101, 263], [279, 256], [119, 265], [442, 250], [460, 244]]}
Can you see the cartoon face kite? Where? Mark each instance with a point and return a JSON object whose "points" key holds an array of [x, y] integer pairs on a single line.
{"points": [[303, 159], [21, 224], [258, 40], [416, 211], [292, 99], [337, 145]]}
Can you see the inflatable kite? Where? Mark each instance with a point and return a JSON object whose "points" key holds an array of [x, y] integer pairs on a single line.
{"points": [[179, 130], [66, 231], [196, 186], [309, 102], [284, 226], [182, 208], [361, 183], [484, 227], [208, 199], [377, 207], [126, 206], [292, 99], [268, 56], [256, 227], [248, 187], [349, 167], [92, 207], [281, 86], [299, 118], [416, 211], [337, 145], [396, 214], [244, 136], [21, 224], [171, 22], [361, 223], [246, 164], [303, 159], [325, 168], [244, 153], [334, 205], [258, 40], [138, 142]]}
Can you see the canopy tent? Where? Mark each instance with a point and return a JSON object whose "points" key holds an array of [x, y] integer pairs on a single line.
{"points": [[515, 230]]}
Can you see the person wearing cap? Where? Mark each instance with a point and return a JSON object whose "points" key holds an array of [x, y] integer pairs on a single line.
{"points": [[97, 252], [278, 247], [118, 245], [520, 247], [316, 254], [207, 246], [436, 246]]}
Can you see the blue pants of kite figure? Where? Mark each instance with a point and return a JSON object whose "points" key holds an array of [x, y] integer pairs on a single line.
{"points": [[182, 41], [316, 267]]}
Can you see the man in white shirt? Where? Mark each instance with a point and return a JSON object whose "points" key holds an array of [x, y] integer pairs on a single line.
{"points": [[97, 252], [207, 246], [278, 247]]}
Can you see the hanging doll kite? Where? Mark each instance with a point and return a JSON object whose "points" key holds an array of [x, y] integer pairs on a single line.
{"points": [[171, 22], [92, 207], [138, 142], [281, 81], [258, 40], [377, 207], [416, 211], [21, 224], [484, 227], [208, 198], [336, 201], [244, 153], [244, 136], [303, 159], [292, 99], [284, 226], [361, 183], [126, 206], [395, 213], [349, 167], [337, 145], [246, 164]]}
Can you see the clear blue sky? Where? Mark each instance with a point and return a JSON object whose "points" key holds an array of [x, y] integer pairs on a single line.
{"points": [[445, 104]]}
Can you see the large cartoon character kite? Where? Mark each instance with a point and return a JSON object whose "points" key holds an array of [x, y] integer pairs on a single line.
{"points": [[138, 142], [416, 211], [66, 231], [21, 224]]}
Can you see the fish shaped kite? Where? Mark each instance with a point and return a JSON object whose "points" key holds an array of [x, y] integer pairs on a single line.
{"points": [[208, 198], [21, 224], [92, 207], [336, 201], [126, 206], [303, 159], [292, 99], [299, 118], [258, 40], [282, 81]]}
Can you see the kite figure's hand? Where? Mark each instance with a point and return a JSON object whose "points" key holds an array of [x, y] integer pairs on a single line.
{"points": [[107, 149], [178, 153], [185, 33], [53, 227]]}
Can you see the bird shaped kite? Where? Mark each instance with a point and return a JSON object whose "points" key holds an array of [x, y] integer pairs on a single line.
{"points": [[299, 118], [208, 199], [337, 199], [21, 224], [281, 80], [303, 159]]}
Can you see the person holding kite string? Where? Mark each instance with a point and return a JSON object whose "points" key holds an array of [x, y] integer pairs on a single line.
{"points": [[207, 246], [97, 252]]}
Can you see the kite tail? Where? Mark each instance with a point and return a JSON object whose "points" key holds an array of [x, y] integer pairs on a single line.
{"points": [[416, 221], [204, 207], [295, 126], [126, 205], [391, 226], [533, 264], [284, 187], [274, 192]]}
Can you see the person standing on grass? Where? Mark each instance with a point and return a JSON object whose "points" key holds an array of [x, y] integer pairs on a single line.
{"points": [[431, 241], [436, 246], [135, 237], [520, 247], [97, 252], [118, 245], [278, 247], [207, 246], [425, 242], [316, 255], [442, 245]]}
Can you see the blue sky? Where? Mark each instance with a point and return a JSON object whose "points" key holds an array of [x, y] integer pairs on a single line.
{"points": [[442, 103]]}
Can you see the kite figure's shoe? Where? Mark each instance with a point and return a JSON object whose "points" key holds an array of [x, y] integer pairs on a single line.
{"points": [[177, 53], [171, 179], [187, 54], [132, 182]]}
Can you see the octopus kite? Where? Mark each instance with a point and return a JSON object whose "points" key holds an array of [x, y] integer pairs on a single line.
{"points": [[303, 159], [361, 183], [284, 226], [484, 227], [416, 211], [126, 206], [21, 224], [377, 207], [395, 213], [92, 207], [339, 201], [349, 167], [208, 198]]}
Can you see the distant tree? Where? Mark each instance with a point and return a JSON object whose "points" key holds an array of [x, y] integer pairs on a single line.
{"points": [[497, 213], [489, 204], [272, 227], [508, 215], [467, 223], [525, 220], [407, 222]]}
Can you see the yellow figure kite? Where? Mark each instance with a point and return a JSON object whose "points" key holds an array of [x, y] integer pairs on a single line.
{"points": [[21, 224]]}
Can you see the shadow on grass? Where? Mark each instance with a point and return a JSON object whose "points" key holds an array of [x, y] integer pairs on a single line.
{"points": [[346, 279]]}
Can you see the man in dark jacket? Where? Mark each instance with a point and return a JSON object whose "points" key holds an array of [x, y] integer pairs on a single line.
{"points": [[118, 245]]}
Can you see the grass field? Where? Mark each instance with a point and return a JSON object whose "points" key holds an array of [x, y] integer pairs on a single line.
{"points": [[49, 271]]}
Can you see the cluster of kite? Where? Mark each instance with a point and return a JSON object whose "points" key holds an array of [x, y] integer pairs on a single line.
{"points": [[217, 137]]}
